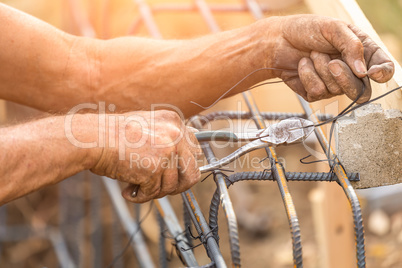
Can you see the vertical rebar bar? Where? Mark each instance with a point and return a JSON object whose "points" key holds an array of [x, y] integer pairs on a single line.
{"points": [[96, 221], [346, 186], [225, 201], [162, 241], [117, 240], [220, 180], [280, 177], [203, 229], [131, 226], [172, 223]]}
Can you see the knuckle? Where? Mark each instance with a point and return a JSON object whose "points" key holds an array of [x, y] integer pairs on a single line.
{"points": [[173, 116], [315, 94], [175, 132]]}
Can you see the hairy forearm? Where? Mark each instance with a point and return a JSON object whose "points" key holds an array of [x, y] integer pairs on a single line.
{"points": [[39, 153], [41, 66], [50, 70], [136, 73]]}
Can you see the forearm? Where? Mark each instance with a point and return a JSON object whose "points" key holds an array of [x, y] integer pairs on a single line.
{"points": [[40, 153], [50, 70], [136, 72], [41, 66]]}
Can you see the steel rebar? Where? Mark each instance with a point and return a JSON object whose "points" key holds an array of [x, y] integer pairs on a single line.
{"points": [[226, 203], [280, 177], [174, 228], [224, 195], [267, 176], [203, 229], [130, 225], [242, 115], [346, 186]]}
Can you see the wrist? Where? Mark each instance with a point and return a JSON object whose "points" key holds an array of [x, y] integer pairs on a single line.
{"points": [[86, 61], [269, 33], [85, 133]]}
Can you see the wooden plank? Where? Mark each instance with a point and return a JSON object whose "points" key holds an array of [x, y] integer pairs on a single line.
{"points": [[349, 11], [3, 112], [333, 227]]}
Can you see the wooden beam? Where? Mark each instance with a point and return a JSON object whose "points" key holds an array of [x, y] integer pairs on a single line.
{"points": [[349, 11], [333, 227], [3, 112]]}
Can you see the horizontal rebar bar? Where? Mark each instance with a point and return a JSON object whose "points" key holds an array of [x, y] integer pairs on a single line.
{"points": [[242, 115], [267, 176]]}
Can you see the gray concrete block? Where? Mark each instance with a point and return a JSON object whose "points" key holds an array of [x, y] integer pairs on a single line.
{"points": [[370, 142]]}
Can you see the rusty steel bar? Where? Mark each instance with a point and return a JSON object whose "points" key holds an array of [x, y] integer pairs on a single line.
{"points": [[266, 176], [82, 21], [212, 247], [346, 186], [146, 14], [113, 187], [226, 203], [255, 9], [280, 177], [130, 225], [203, 229], [277, 169], [53, 235], [134, 26], [207, 15], [242, 115], [173, 226], [219, 178]]}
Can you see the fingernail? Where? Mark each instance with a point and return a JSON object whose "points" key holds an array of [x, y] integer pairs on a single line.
{"points": [[192, 129], [377, 75], [335, 69], [303, 62], [313, 55], [360, 67]]}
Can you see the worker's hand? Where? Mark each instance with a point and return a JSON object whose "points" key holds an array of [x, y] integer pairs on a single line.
{"points": [[153, 150], [326, 57]]}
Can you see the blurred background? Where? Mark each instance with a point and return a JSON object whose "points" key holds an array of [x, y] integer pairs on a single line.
{"points": [[79, 209]]}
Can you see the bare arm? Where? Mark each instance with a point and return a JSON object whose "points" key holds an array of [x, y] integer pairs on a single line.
{"points": [[46, 151], [38, 153], [53, 71], [50, 70]]}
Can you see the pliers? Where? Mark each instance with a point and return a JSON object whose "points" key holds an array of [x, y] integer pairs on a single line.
{"points": [[292, 130], [287, 131]]}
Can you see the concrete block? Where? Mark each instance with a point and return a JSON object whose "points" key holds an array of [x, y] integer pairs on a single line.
{"points": [[370, 142]]}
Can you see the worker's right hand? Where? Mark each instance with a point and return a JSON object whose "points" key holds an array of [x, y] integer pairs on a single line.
{"points": [[154, 150]]}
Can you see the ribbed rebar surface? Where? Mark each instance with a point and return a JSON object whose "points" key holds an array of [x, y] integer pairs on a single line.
{"points": [[267, 176], [357, 222], [233, 115]]}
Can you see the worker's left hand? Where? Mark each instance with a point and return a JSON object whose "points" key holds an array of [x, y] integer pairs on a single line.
{"points": [[326, 57]]}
